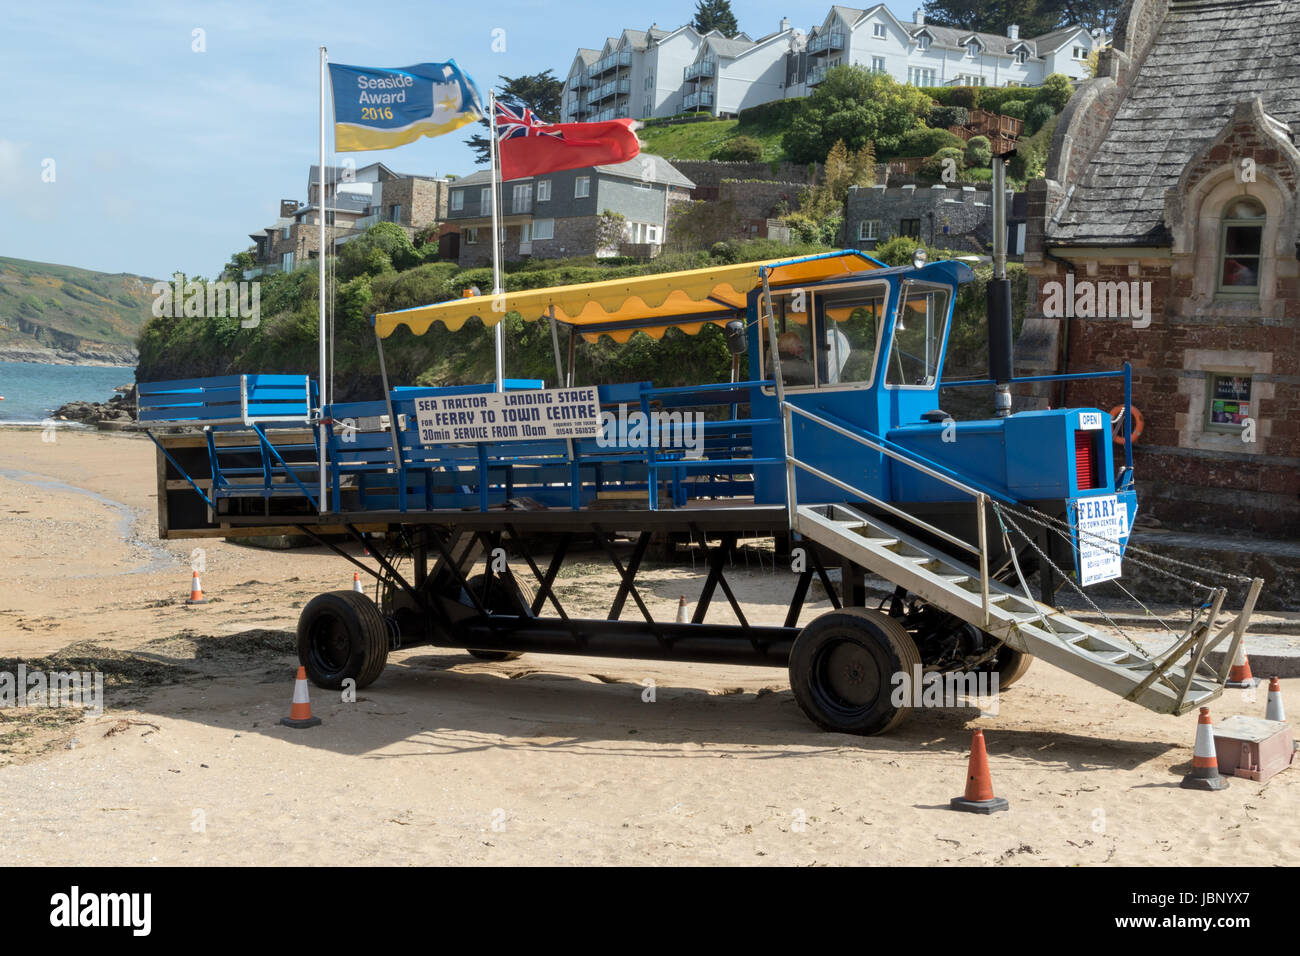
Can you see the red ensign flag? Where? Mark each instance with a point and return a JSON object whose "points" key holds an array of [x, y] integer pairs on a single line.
{"points": [[529, 147]]}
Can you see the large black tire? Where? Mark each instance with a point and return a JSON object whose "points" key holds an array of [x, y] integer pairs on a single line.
{"points": [[842, 667], [1010, 665], [503, 600], [342, 635]]}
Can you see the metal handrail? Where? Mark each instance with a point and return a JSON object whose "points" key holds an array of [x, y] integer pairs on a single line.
{"points": [[981, 498]]}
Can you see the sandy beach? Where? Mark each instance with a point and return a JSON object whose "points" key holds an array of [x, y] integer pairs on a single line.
{"points": [[546, 759]]}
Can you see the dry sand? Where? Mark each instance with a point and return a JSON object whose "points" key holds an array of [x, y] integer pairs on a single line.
{"points": [[546, 759]]}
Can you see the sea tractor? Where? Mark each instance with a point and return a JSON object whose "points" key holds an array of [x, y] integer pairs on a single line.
{"points": [[470, 499]]}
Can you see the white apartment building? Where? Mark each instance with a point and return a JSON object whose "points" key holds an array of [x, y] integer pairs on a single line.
{"points": [[654, 73], [927, 55]]}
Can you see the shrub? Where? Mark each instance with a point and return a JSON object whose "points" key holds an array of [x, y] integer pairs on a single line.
{"points": [[941, 117], [979, 152], [1037, 116], [966, 96], [741, 149], [924, 141], [1055, 92], [933, 167], [1014, 108]]}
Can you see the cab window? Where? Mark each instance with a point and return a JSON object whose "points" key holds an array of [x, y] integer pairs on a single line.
{"points": [[827, 337], [918, 339]]}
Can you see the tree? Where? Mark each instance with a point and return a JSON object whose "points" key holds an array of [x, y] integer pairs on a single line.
{"points": [[611, 227], [858, 106], [384, 247], [1034, 17], [239, 263], [1055, 92], [715, 15], [539, 92], [821, 207]]}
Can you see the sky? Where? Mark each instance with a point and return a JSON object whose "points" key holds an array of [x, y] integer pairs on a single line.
{"points": [[123, 148]]}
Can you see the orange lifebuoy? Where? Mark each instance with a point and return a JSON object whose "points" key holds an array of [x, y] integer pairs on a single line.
{"points": [[1117, 423]]}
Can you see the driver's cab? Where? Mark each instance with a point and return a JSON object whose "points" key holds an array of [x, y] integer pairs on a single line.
{"points": [[865, 350]]}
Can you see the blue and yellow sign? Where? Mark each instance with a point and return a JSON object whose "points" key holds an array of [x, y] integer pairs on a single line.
{"points": [[378, 109]]}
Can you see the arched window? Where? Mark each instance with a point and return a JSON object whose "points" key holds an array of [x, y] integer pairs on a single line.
{"points": [[1240, 245]]}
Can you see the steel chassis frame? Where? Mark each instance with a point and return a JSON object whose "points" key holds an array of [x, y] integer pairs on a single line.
{"points": [[445, 546]]}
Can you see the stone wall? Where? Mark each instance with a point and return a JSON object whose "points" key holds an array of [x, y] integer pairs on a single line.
{"points": [[709, 174]]}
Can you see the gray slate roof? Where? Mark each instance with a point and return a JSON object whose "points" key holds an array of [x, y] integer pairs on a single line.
{"points": [[1209, 55], [662, 172]]}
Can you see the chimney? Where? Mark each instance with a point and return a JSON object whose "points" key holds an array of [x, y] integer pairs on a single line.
{"points": [[785, 24], [918, 17], [1013, 32]]}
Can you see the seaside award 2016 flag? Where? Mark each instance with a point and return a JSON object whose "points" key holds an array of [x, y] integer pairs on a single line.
{"points": [[379, 108], [530, 147]]}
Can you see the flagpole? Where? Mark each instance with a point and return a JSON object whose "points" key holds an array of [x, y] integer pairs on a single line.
{"points": [[499, 339], [320, 256]]}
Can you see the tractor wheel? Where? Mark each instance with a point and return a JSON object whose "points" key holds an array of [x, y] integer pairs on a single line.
{"points": [[342, 635], [1010, 665], [503, 600], [842, 667]]}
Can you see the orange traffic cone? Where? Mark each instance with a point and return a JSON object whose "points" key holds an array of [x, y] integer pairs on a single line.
{"points": [[1239, 675], [356, 583], [1205, 758], [300, 710], [683, 615], [979, 784], [196, 591], [1274, 709]]}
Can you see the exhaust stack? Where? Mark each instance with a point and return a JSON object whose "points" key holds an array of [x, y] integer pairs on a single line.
{"points": [[999, 297]]}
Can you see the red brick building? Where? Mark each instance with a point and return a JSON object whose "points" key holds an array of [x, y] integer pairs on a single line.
{"points": [[1167, 233]]}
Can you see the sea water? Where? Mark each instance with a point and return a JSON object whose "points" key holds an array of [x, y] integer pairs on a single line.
{"points": [[32, 391]]}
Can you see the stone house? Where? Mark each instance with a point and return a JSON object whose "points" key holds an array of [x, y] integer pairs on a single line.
{"points": [[355, 199], [1167, 230], [555, 215], [955, 216]]}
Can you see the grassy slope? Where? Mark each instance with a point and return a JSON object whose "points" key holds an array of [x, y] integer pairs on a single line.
{"points": [[95, 306], [699, 140]]}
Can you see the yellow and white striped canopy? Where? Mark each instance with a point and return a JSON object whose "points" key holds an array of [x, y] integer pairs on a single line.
{"points": [[619, 307]]}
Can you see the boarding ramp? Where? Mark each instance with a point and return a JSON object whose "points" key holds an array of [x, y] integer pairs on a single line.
{"points": [[1175, 681]]}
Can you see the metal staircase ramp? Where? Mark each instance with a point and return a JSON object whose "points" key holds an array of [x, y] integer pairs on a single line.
{"points": [[1023, 624]]}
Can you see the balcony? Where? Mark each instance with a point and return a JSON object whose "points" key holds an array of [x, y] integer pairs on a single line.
{"points": [[616, 112], [693, 100], [609, 89], [700, 68], [580, 81], [816, 75], [614, 61], [826, 42]]}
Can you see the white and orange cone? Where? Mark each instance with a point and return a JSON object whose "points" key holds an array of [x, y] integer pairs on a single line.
{"points": [[978, 797], [1274, 709], [1239, 675], [1204, 774], [196, 591], [683, 615], [300, 710], [356, 582]]}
